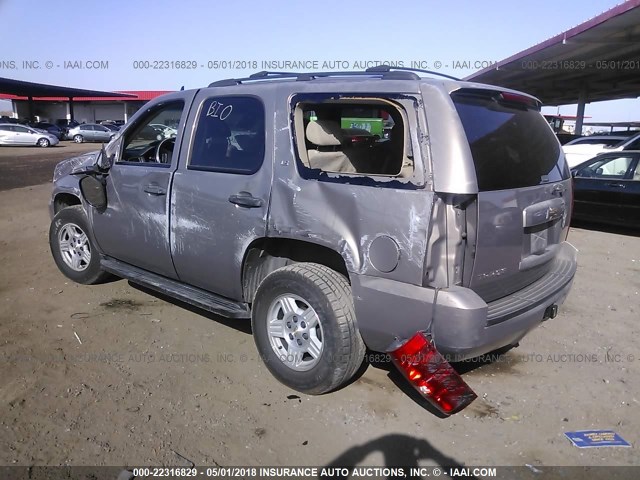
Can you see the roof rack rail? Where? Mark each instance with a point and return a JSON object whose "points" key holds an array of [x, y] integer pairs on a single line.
{"points": [[256, 76], [305, 76], [389, 68]]}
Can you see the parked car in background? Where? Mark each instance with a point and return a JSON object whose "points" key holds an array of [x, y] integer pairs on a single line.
{"points": [[12, 134], [607, 189], [51, 128], [91, 132], [576, 154], [606, 140], [66, 124], [111, 126]]}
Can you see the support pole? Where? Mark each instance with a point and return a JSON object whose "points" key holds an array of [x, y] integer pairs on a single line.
{"points": [[71, 108], [582, 100], [30, 106]]}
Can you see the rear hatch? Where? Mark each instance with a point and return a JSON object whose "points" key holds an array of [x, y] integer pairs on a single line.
{"points": [[524, 185]]}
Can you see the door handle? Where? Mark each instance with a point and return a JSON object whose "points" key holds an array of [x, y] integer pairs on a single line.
{"points": [[155, 189], [245, 199], [615, 184]]}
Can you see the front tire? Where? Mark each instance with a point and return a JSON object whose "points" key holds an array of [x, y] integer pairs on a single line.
{"points": [[304, 327], [43, 142], [73, 247], [78, 138]]}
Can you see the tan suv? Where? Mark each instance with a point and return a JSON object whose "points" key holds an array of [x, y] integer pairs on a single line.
{"points": [[444, 238]]}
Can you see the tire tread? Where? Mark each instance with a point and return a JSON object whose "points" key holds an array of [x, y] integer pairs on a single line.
{"points": [[337, 291]]}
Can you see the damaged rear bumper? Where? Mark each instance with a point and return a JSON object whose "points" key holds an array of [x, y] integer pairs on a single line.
{"points": [[463, 324]]}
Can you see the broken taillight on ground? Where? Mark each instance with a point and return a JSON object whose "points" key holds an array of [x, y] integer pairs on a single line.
{"points": [[430, 374]]}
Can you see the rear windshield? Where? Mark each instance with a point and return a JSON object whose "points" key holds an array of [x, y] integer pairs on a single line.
{"points": [[511, 142]]}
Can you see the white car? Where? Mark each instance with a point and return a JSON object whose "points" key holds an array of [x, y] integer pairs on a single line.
{"points": [[584, 148], [13, 134], [608, 140]]}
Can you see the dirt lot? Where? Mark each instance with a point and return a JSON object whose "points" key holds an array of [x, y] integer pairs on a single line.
{"points": [[24, 166], [111, 375]]}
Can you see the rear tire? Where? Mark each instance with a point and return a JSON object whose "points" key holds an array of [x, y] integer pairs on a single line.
{"points": [[74, 248], [304, 327], [78, 138]]}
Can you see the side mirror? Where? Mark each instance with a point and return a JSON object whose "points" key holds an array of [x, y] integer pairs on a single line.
{"points": [[94, 192]]}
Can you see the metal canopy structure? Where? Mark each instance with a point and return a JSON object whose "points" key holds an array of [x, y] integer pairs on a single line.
{"points": [[594, 61], [31, 90]]}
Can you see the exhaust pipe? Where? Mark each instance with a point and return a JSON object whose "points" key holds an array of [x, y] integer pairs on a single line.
{"points": [[550, 312]]}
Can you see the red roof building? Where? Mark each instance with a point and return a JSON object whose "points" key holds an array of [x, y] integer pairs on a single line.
{"points": [[83, 109]]}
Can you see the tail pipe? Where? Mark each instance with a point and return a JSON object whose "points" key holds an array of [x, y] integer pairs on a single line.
{"points": [[550, 312], [431, 375]]}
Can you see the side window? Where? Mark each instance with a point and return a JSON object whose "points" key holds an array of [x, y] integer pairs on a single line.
{"points": [[361, 137], [143, 144], [21, 129], [85, 128], [230, 135], [611, 167]]}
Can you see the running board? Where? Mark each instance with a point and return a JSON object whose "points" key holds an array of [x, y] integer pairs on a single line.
{"points": [[192, 295]]}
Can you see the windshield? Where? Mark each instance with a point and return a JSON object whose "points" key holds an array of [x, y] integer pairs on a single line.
{"points": [[632, 143], [596, 141]]}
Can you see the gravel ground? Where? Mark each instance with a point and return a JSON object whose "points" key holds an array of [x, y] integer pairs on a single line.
{"points": [[112, 375]]}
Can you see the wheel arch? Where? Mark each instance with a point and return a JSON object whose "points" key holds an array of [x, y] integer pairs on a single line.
{"points": [[64, 200], [265, 255]]}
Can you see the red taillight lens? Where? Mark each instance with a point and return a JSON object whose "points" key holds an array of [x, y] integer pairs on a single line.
{"points": [[430, 374]]}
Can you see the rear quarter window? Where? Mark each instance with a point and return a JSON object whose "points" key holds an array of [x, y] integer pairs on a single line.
{"points": [[511, 142]]}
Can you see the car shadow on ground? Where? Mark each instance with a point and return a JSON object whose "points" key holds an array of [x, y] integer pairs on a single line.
{"points": [[398, 450], [382, 361], [605, 228], [239, 324], [496, 359]]}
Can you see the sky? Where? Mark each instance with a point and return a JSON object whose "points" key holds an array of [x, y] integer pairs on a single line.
{"points": [[123, 40]]}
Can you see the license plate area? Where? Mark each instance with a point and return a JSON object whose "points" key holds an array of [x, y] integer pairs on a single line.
{"points": [[540, 243]]}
